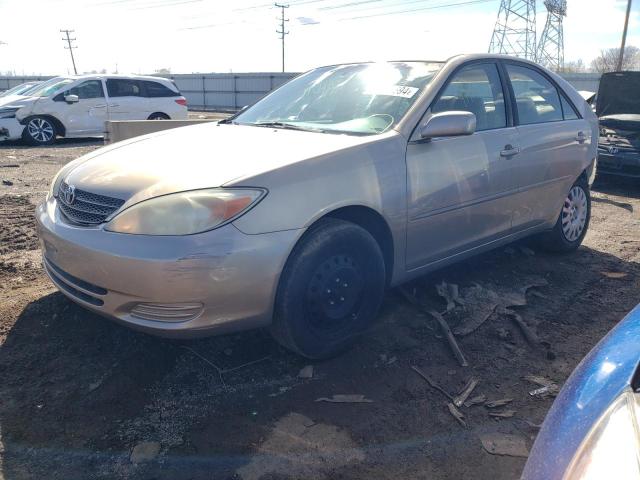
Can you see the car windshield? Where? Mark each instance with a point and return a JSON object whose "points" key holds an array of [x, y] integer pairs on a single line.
{"points": [[17, 90], [357, 98], [50, 87]]}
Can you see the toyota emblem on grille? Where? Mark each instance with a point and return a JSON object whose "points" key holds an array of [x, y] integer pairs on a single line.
{"points": [[613, 150], [69, 195]]}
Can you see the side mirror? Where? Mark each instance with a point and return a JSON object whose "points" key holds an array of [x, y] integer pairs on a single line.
{"points": [[71, 99], [448, 124]]}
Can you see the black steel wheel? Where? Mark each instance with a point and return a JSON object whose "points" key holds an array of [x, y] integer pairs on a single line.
{"points": [[330, 290]]}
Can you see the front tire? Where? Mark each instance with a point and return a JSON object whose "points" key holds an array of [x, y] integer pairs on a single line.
{"points": [[39, 131], [573, 221], [330, 290]]}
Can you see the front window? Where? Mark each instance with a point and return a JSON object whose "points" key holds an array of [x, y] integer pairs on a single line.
{"points": [[358, 98], [50, 87]]}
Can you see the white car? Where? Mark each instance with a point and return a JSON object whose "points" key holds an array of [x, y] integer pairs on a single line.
{"points": [[78, 106]]}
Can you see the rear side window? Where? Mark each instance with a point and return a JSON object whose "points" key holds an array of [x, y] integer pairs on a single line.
{"points": [[537, 99], [568, 110], [476, 89], [119, 87], [156, 89], [88, 89]]}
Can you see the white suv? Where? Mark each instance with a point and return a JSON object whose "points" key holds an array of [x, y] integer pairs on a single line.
{"points": [[78, 106]]}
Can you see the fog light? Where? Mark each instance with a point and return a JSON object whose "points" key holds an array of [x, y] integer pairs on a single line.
{"points": [[167, 312]]}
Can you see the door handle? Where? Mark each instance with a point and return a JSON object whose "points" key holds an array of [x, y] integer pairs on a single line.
{"points": [[581, 137], [114, 105], [100, 106], [509, 151]]}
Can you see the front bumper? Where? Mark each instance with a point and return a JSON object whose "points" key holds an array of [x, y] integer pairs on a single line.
{"points": [[621, 162], [10, 129], [195, 285]]}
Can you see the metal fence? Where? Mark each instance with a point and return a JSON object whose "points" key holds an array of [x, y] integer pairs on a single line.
{"points": [[231, 91]]}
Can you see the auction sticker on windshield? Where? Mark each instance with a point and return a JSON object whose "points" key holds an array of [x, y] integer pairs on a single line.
{"points": [[394, 91]]}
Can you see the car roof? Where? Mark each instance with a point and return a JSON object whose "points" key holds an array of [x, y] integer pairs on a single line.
{"points": [[460, 58], [117, 75]]}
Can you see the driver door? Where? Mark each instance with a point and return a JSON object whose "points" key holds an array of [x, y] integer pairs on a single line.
{"points": [[85, 117], [459, 188]]}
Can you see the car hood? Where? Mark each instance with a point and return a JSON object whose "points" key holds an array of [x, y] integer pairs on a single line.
{"points": [[16, 101], [619, 93], [194, 157]]}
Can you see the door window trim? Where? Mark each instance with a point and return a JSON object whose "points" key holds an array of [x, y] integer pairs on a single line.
{"points": [[535, 68], [505, 93]]}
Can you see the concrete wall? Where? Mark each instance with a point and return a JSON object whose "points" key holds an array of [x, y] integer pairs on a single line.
{"points": [[231, 91]]}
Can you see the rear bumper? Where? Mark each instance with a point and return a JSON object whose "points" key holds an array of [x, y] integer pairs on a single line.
{"points": [[183, 287], [10, 129], [626, 164]]}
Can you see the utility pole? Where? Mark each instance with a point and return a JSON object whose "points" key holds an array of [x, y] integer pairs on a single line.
{"points": [[70, 47], [624, 37], [515, 29], [282, 32]]}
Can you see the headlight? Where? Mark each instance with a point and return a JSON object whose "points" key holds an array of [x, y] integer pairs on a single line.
{"points": [[8, 112], [186, 212], [611, 448], [55, 183]]}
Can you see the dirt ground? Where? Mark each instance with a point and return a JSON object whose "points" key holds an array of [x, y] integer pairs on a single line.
{"points": [[78, 393]]}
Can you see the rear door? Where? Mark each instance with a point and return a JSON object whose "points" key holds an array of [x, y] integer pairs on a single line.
{"points": [[459, 187], [554, 141], [126, 99]]}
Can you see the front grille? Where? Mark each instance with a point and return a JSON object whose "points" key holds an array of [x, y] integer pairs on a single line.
{"points": [[86, 208]]}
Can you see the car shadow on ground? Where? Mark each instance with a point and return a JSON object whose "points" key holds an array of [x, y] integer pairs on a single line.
{"points": [[78, 392], [59, 143]]}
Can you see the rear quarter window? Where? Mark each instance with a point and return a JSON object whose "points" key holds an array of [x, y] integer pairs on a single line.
{"points": [[157, 89]]}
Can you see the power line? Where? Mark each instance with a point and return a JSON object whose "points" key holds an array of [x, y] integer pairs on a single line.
{"points": [[419, 9], [70, 47], [282, 32]]}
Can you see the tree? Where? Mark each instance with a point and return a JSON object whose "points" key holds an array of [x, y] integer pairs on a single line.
{"points": [[608, 60]]}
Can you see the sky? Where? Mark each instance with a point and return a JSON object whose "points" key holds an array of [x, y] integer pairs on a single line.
{"points": [[186, 36]]}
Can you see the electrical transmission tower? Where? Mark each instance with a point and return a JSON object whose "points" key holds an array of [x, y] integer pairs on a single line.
{"points": [[70, 47], [282, 32], [551, 45], [515, 30]]}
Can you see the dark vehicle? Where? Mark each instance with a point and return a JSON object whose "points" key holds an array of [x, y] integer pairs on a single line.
{"points": [[593, 428], [618, 109]]}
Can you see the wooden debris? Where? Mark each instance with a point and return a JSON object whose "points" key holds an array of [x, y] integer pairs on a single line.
{"points": [[457, 414], [529, 334], [340, 398], [432, 383], [451, 293], [503, 414], [615, 275], [466, 392], [443, 325], [478, 400], [450, 338], [498, 403], [503, 444]]}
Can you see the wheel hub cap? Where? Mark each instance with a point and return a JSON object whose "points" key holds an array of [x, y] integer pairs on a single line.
{"points": [[335, 290], [574, 214], [40, 129]]}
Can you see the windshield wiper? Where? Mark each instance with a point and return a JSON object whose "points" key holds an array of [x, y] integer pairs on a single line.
{"points": [[286, 126]]}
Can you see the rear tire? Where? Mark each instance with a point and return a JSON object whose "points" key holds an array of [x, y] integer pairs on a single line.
{"points": [[158, 116], [39, 131], [330, 290], [573, 221]]}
